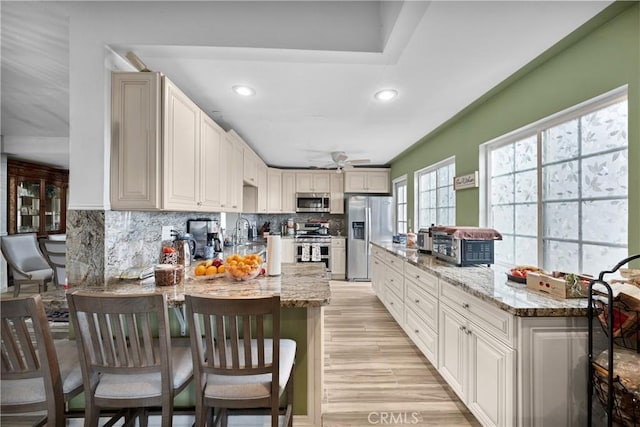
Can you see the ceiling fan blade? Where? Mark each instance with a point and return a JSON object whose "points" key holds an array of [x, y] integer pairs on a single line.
{"points": [[359, 161]]}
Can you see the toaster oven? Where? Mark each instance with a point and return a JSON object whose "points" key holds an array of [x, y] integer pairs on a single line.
{"points": [[464, 245]]}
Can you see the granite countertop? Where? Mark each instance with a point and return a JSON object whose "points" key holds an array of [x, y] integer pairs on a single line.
{"points": [[299, 285], [490, 284]]}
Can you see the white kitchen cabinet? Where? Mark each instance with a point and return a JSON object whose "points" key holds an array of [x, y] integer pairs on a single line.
{"points": [[161, 143], [338, 258], [336, 203], [211, 136], [262, 186], [377, 271], [366, 181], [421, 311], [231, 169], [288, 250], [274, 190], [478, 367], [313, 182], [288, 192]]}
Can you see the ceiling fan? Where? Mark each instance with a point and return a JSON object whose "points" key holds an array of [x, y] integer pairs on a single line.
{"points": [[340, 161]]}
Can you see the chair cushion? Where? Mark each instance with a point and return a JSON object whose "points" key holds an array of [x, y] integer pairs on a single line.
{"points": [[31, 390], [238, 387], [136, 386]]}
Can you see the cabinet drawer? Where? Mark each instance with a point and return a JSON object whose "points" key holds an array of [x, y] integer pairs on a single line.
{"points": [[394, 282], [394, 262], [497, 322], [423, 304], [378, 252], [339, 243], [425, 338], [427, 281], [394, 305]]}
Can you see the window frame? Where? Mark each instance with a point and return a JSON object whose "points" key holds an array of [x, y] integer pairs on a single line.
{"points": [[434, 167], [399, 181], [538, 129]]}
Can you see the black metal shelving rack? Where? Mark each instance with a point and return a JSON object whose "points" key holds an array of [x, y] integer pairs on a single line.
{"points": [[622, 406]]}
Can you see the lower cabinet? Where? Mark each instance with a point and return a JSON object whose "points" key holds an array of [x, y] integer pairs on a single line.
{"points": [[338, 258], [478, 367], [508, 370], [288, 251]]}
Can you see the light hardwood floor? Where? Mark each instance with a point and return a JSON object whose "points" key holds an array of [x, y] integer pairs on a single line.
{"points": [[373, 374]]}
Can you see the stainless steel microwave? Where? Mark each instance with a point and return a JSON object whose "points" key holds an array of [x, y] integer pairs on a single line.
{"points": [[313, 202]]}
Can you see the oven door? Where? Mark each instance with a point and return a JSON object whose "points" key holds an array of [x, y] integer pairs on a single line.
{"points": [[313, 252]]}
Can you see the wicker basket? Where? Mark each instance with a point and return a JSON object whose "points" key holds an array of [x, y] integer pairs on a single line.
{"points": [[626, 405]]}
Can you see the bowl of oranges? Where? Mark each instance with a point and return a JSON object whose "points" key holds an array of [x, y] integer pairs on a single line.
{"points": [[209, 269], [243, 267]]}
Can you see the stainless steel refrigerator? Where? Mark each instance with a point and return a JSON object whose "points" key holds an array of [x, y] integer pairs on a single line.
{"points": [[369, 218]]}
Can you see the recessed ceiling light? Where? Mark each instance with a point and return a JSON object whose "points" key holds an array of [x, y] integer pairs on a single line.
{"points": [[386, 95], [244, 90]]}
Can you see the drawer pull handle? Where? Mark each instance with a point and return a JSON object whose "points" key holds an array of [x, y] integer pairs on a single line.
{"points": [[417, 331], [465, 305], [417, 276], [417, 301], [463, 328], [391, 302], [468, 332]]}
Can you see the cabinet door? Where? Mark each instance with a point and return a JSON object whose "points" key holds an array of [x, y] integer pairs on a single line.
{"points": [[210, 159], [54, 199], [288, 192], [274, 190], [491, 388], [27, 212], [135, 141], [377, 275], [181, 150], [262, 187], [378, 182], [304, 182], [250, 168], [321, 182], [338, 255], [355, 182], [234, 194], [337, 193], [452, 357], [288, 254]]}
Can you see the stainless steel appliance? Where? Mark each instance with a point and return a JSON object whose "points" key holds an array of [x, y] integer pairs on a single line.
{"points": [[312, 202], [464, 245], [201, 229], [312, 243], [425, 243], [369, 218]]}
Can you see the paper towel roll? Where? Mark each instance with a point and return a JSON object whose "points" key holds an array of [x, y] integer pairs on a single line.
{"points": [[274, 255]]}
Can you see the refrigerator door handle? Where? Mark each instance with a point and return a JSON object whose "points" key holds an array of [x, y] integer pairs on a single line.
{"points": [[368, 219]]}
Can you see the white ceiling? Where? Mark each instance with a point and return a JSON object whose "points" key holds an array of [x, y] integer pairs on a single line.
{"points": [[315, 66]]}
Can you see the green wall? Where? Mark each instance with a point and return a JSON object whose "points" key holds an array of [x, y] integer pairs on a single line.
{"points": [[600, 56]]}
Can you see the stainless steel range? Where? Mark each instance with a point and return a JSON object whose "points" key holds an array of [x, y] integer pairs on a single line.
{"points": [[312, 243]]}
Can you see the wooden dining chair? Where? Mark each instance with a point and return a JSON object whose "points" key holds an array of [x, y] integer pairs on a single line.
{"points": [[38, 372], [127, 356], [236, 367]]}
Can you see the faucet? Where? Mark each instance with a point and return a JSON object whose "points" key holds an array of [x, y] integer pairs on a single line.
{"points": [[238, 234]]}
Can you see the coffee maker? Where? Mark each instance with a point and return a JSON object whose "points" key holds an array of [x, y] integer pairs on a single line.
{"points": [[213, 239], [200, 228]]}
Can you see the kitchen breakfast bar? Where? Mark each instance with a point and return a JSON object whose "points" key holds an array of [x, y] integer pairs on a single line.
{"points": [[303, 289]]}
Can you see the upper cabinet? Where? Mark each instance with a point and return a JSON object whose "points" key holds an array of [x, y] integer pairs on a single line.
{"points": [[288, 192], [367, 181], [37, 198], [231, 175], [313, 182], [336, 204], [163, 148], [274, 190]]}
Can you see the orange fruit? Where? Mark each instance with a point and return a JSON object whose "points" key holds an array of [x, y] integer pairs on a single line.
{"points": [[221, 269], [211, 270], [200, 270]]}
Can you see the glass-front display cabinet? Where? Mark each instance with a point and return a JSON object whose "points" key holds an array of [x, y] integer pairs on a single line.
{"points": [[37, 198]]}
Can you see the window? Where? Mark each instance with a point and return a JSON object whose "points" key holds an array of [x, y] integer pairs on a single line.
{"points": [[436, 199], [557, 191], [400, 198]]}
